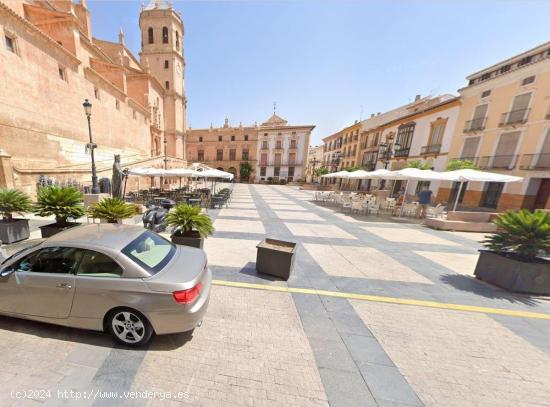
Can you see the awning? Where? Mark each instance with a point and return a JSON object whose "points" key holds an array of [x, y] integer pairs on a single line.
{"points": [[339, 174]]}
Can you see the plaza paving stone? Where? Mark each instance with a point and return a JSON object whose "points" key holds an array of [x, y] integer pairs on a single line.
{"points": [[265, 348]]}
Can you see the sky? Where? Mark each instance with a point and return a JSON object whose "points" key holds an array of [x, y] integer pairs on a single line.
{"points": [[329, 63]]}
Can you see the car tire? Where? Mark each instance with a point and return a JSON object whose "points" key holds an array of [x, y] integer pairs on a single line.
{"points": [[129, 327]]}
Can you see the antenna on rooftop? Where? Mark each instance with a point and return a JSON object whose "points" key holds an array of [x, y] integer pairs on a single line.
{"points": [[274, 107]]}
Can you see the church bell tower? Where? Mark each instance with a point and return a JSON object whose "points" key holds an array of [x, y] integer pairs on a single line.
{"points": [[162, 51]]}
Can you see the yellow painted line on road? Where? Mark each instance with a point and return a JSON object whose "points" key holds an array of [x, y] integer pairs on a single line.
{"points": [[389, 300]]}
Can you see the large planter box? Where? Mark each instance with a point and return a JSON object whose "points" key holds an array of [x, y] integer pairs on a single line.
{"points": [[53, 229], [14, 231], [192, 241], [275, 257], [514, 275]]}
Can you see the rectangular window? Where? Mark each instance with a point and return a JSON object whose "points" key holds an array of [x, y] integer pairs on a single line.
{"points": [[485, 94], [528, 80], [292, 143], [506, 148], [200, 139], [232, 138], [246, 137], [10, 44], [263, 160], [518, 114], [277, 159], [277, 171], [200, 155], [437, 134], [264, 144], [262, 171], [279, 144], [291, 159], [469, 150], [219, 155], [219, 138], [404, 139], [62, 74], [290, 171], [525, 61], [232, 154], [167, 84], [166, 64], [244, 155]]}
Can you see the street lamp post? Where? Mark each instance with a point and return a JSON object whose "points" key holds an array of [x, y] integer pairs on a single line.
{"points": [[387, 151], [314, 162], [91, 145]]}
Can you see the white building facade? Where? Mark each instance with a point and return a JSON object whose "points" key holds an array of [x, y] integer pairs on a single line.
{"points": [[282, 151]]}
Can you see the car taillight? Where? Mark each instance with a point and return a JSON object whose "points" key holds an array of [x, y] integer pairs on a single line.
{"points": [[189, 295]]}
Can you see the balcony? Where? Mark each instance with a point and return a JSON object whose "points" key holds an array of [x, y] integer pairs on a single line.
{"points": [[514, 117], [402, 152], [503, 162], [430, 149], [474, 160], [369, 165], [475, 124], [536, 162], [283, 163]]}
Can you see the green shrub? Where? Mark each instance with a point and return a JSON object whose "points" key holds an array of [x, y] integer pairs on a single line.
{"points": [[523, 232], [112, 210], [187, 218], [14, 201], [419, 164], [456, 164], [62, 202]]}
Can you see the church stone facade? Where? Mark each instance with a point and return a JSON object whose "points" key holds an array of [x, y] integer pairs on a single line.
{"points": [[50, 63]]}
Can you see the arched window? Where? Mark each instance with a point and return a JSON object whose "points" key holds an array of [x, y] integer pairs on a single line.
{"points": [[165, 35], [177, 40]]}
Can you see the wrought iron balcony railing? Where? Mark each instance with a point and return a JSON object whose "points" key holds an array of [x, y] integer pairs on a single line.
{"points": [[535, 162], [402, 152], [475, 124], [430, 149], [505, 162], [514, 117]]}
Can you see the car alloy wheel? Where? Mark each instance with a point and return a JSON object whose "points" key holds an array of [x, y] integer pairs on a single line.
{"points": [[130, 328]]}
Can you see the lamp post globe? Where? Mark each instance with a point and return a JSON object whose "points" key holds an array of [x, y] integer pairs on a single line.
{"points": [[88, 111]]}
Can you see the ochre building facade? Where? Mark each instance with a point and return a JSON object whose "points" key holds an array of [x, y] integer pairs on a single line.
{"points": [[50, 63]]}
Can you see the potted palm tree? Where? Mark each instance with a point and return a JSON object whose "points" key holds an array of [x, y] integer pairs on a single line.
{"points": [[517, 255], [12, 229], [63, 203], [191, 226], [112, 210]]}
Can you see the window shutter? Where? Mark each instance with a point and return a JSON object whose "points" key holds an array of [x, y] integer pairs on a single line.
{"points": [[469, 149]]}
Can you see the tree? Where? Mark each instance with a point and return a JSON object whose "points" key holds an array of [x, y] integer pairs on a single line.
{"points": [[245, 169], [456, 164], [419, 164], [321, 171]]}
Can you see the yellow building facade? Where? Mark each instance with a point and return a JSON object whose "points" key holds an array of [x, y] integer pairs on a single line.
{"points": [[504, 126]]}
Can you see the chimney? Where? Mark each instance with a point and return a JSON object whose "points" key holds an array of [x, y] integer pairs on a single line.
{"points": [[378, 114], [355, 122], [372, 115], [417, 98]]}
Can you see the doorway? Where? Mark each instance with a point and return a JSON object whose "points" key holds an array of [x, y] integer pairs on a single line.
{"points": [[492, 194], [543, 195]]}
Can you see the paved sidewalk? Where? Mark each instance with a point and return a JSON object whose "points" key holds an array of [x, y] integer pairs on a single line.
{"points": [[263, 347]]}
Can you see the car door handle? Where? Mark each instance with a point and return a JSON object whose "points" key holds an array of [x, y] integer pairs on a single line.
{"points": [[63, 285]]}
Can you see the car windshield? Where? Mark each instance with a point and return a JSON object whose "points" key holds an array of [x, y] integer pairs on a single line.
{"points": [[150, 251]]}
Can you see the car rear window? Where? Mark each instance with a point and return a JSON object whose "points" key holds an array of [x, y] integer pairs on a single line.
{"points": [[150, 251]]}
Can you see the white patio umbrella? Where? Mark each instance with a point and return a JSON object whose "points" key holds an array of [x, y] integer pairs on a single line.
{"points": [[468, 174], [147, 172], [339, 174], [359, 174]]}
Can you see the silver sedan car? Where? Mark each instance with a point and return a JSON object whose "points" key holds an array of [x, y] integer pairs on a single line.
{"points": [[106, 277]]}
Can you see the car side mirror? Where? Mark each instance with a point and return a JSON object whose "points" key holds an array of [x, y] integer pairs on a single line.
{"points": [[6, 272]]}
